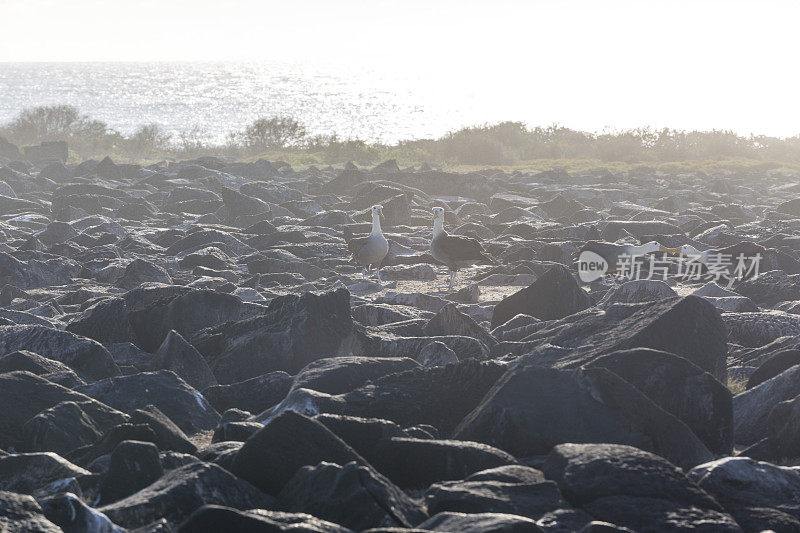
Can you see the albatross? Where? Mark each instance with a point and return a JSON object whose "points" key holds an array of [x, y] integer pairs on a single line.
{"points": [[613, 254], [454, 251], [369, 251]]}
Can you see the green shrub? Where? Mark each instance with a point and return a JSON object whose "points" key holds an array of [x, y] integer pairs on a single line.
{"points": [[273, 133]]}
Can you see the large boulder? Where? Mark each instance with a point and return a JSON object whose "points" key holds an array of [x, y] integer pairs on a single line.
{"points": [[20, 512], [182, 358], [690, 327], [759, 495], [215, 518], [353, 495], [416, 463], [751, 408], [185, 313], [773, 365], [140, 271], [637, 291], [85, 356], [681, 388], [532, 409], [554, 295], [105, 321], [26, 361], [178, 493], [294, 331], [439, 396], [270, 457], [633, 488], [70, 513], [26, 472], [450, 321], [479, 523], [253, 395], [24, 395], [168, 435], [174, 397], [337, 375], [69, 425], [771, 287], [133, 466], [528, 495]]}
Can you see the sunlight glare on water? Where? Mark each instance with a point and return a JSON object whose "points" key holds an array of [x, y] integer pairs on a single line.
{"points": [[222, 97]]}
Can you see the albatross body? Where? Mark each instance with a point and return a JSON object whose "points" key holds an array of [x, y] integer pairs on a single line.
{"points": [[455, 251], [614, 253], [371, 250]]}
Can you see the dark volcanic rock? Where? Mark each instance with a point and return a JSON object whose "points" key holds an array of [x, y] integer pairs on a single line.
{"points": [[293, 331], [689, 327], [479, 523], [751, 408], [530, 499], [69, 425], [756, 493], [163, 389], [337, 375], [185, 313], [438, 396], [253, 395], [85, 356], [416, 463], [105, 321], [26, 361], [633, 488], [353, 495], [19, 512], [180, 492], [24, 395], [272, 455], [680, 388], [140, 271], [554, 295], [86, 455], [450, 321], [26, 472], [181, 357], [214, 518], [774, 365], [531, 409], [770, 288], [71, 514], [134, 465], [168, 435]]}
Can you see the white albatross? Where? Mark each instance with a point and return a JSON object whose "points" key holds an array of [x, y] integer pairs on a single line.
{"points": [[454, 251], [371, 250]]}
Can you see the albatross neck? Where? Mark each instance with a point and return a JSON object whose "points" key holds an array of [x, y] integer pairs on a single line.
{"points": [[376, 224], [438, 227]]}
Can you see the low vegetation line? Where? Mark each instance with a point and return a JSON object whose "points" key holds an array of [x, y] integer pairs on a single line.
{"points": [[506, 144]]}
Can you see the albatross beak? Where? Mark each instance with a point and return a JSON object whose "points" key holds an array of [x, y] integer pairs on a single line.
{"points": [[381, 214]]}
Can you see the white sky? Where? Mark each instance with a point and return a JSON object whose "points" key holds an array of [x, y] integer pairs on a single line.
{"points": [[699, 64]]}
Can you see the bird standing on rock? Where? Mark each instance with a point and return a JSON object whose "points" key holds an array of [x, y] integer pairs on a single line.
{"points": [[371, 250], [454, 251]]}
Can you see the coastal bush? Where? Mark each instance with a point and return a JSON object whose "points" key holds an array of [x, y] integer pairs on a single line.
{"points": [[273, 133], [505, 143]]}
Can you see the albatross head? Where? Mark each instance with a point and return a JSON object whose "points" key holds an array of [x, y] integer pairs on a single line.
{"points": [[377, 215], [688, 250], [438, 219]]}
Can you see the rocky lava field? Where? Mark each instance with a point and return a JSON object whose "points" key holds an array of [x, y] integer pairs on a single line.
{"points": [[188, 347]]}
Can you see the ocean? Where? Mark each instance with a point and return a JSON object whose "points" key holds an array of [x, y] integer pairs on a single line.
{"points": [[218, 98]]}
